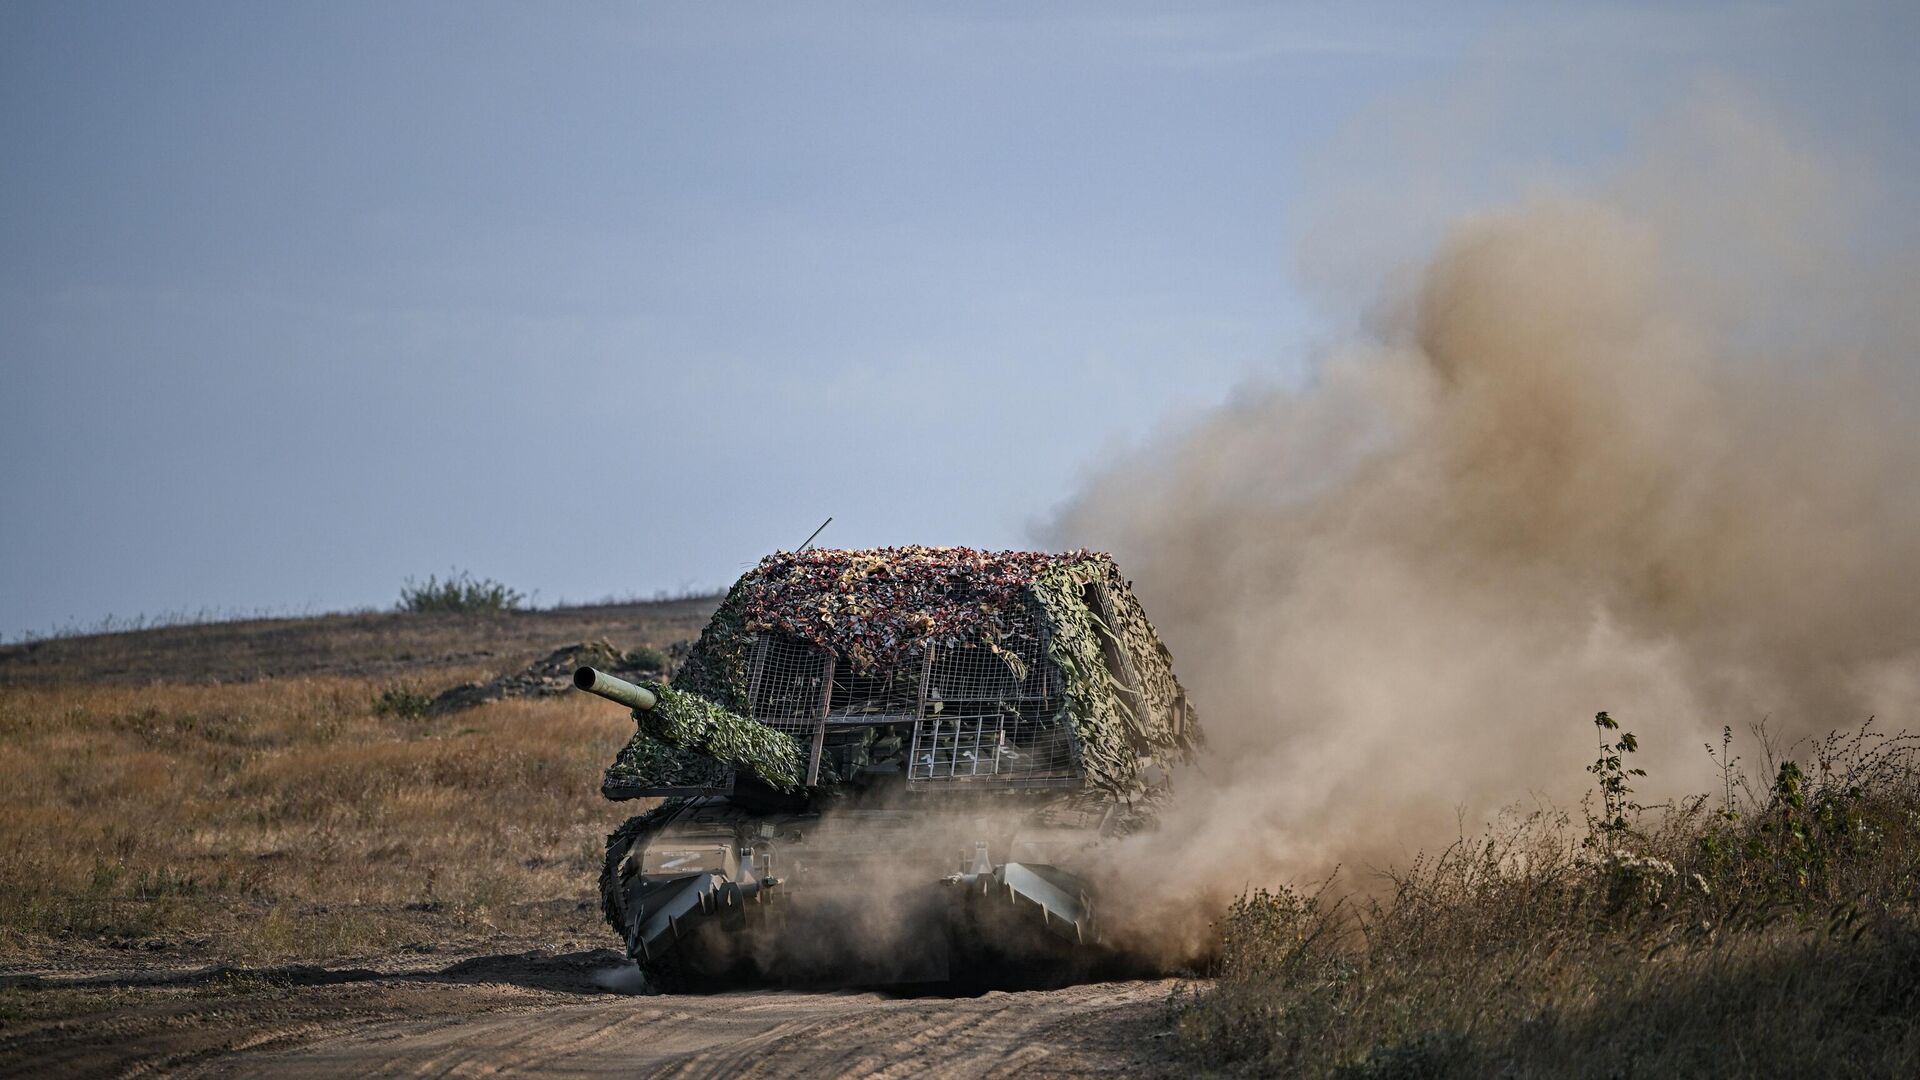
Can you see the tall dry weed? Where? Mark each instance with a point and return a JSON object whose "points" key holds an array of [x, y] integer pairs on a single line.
{"points": [[1773, 929]]}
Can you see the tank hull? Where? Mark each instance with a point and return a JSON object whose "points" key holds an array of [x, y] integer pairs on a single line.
{"points": [[714, 888]]}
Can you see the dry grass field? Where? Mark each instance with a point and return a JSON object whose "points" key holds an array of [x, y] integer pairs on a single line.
{"points": [[289, 818], [247, 793]]}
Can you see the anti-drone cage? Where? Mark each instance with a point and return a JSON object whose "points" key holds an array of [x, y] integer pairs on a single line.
{"points": [[991, 714]]}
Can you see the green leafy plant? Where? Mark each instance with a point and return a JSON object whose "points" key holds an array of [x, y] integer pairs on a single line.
{"points": [[1616, 794], [1830, 811], [459, 592]]}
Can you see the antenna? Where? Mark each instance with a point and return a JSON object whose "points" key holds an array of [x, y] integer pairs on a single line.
{"points": [[808, 542]]}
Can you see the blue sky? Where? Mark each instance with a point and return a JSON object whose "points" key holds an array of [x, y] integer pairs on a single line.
{"points": [[299, 301]]}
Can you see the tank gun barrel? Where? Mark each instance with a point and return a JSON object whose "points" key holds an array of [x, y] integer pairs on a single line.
{"points": [[593, 681]]}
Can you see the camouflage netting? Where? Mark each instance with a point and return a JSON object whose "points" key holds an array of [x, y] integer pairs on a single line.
{"points": [[879, 606], [876, 607], [689, 741], [1123, 723], [647, 765]]}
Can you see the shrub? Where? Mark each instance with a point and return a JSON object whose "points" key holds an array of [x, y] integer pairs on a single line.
{"points": [[1785, 922], [402, 702], [460, 592]]}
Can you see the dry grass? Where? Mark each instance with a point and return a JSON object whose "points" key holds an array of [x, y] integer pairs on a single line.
{"points": [[1773, 929], [289, 818]]}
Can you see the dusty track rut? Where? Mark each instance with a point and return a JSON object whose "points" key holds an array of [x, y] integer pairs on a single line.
{"points": [[1094, 1030]]}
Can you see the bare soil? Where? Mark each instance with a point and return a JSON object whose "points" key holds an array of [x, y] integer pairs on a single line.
{"points": [[544, 1013]]}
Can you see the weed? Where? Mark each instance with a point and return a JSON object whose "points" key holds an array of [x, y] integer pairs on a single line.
{"points": [[1616, 796]]}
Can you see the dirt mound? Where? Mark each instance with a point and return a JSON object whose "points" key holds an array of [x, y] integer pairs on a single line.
{"points": [[553, 674]]}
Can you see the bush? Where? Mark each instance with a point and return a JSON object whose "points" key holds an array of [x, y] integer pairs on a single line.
{"points": [[1783, 921], [402, 702], [460, 592], [646, 658]]}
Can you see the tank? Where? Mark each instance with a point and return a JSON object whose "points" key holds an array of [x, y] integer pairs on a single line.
{"points": [[891, 765]]}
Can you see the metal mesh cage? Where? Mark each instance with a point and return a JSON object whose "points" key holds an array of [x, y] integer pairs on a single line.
{"points": [[887, 694], [787, 687], [994, 712], [981, 713]]}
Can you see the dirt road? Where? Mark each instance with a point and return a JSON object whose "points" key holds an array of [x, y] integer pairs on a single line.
{"points": [[543, 1015], [1081, 1031]]}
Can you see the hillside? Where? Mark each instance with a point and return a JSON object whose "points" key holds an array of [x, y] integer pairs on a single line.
{"points": [[366, 645]]}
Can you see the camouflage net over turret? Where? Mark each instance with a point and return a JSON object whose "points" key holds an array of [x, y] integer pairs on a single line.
{"points": [[1118, 724], [875, 607], [689, 741]]}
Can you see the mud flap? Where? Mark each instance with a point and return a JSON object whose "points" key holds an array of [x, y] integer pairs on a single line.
{"points": [[1057, 897], [662, 910]]}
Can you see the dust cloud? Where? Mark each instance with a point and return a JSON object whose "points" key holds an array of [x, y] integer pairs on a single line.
{"points": [[1648, 449]]}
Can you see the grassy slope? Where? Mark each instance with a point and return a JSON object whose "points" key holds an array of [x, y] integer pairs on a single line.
{"points": [[231, 792], [384, 644]]}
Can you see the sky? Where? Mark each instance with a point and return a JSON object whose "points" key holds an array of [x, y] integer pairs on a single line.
{"points": [[298, 302]]}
